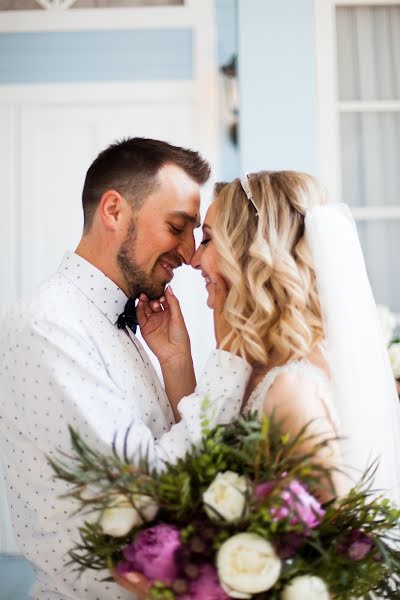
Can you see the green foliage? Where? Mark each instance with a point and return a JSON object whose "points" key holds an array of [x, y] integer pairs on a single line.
{"points": [[262, 453]]}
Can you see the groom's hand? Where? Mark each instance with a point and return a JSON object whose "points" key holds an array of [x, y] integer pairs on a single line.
{"points": [[163, 327]]}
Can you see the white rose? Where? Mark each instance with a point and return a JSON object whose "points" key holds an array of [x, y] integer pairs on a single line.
{"points": [[394, 355], [387, 321], [247, 564], [121, 516], [226, 496], [306, 587]]}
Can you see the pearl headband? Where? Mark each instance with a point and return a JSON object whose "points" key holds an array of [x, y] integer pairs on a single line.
{"points": [[244, 181]]}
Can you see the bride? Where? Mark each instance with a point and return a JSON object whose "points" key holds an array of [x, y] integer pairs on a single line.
{"points": [[286, 279]]}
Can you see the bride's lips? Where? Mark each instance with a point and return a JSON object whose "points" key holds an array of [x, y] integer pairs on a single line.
{"points": [[207, 279]]}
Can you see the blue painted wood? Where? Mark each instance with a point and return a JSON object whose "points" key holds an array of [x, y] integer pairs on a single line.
{"points": [[16, 578], [88, 56], [277, 85]]}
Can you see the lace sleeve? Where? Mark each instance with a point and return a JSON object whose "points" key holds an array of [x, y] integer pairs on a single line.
{"points": [[305, 369]]}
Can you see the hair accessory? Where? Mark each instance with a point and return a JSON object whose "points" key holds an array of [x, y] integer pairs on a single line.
{"points": [[246, 187]]}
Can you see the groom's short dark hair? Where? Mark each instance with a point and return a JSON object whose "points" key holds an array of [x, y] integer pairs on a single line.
{"points": [[130, 166]]}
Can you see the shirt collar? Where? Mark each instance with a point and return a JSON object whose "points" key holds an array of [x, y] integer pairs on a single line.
{"points": [[94, 284]]}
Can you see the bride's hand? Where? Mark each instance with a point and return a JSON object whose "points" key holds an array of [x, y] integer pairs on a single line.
{"points": [[133, 582], [163, 327]]}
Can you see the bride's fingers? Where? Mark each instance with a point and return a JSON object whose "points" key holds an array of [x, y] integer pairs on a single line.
{"points": [[140, 313], [156, 306], [174, 306]]}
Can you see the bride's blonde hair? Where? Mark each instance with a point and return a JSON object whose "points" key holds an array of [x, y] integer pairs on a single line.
{"points": [[272, 304]]}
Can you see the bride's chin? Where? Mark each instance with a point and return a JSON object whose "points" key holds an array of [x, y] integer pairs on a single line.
{"points": [[210, 303]]}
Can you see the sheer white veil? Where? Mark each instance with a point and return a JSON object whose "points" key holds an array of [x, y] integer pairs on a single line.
{"points": [[364, 388]]}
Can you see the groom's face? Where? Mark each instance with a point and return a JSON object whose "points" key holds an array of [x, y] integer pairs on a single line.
{"points": [[160, 235]]}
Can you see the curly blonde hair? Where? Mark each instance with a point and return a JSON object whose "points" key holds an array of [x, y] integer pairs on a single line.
{"points": [[272, 304]]}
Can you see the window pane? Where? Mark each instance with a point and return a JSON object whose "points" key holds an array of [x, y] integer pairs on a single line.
{"points": [[381, 245], [370, 151], [368, 41]]}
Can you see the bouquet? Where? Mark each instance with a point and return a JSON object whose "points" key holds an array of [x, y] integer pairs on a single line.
{"points": [[237, 517]]}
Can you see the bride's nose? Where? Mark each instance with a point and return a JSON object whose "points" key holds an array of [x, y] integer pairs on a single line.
{"points": [[195, 262]]}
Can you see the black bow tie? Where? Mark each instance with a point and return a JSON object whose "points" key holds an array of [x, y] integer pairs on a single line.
{"points": [[128, 317]]}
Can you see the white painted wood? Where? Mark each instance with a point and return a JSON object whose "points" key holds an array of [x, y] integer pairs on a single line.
{"points": [[69, 94], [366, 2], [367, 213], [369, 106], [156, 17], [327, 115], [9, 204]]}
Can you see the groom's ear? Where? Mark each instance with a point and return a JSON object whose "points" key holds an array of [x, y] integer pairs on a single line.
{"points": [[114, 211]]}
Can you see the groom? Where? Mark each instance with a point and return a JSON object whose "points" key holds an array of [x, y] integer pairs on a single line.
{"points": [[70, 354]]}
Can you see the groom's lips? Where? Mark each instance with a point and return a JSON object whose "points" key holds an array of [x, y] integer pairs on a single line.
{"points": [[168, 268]]}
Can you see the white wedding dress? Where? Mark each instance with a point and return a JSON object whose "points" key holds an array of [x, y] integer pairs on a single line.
{"points": [[305, 369]]}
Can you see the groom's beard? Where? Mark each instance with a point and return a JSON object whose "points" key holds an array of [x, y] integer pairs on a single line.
{"points": [[137, 280]]}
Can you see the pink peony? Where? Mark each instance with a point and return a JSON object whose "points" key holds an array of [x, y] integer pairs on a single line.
{"points": [[153, 554], [263, 490], [298, 503], [206, 586]]}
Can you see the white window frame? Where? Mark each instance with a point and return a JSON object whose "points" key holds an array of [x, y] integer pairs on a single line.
{"points": [[329, 107]]}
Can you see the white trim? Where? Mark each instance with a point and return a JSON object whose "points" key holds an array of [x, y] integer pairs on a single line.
{"points": [[73, 93], [206, 77], [327, 115], [369, 106], [366, 213], [351, 3], [154, 17]]}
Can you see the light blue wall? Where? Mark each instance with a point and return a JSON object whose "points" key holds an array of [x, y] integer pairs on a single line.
{"points": [[43, 57], [16, 578], [278, 127]]}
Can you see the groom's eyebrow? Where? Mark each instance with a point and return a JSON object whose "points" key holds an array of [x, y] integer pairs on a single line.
{"points": [[187, 217]]}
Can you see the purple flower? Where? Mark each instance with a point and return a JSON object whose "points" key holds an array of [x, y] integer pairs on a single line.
{"points": [[356, 545], [263, 490], [287, 545], [359, 550], [124, 566], [301, 505], [153, 554], [206, 586]]}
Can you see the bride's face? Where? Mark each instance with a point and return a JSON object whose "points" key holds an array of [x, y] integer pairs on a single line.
{"points": [[206, 256]]}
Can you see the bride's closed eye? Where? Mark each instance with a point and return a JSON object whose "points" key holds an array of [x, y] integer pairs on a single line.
{"points": [[205, 241]]}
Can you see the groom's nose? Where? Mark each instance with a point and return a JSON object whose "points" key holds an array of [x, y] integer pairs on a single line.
{"points": [[186, 249]]}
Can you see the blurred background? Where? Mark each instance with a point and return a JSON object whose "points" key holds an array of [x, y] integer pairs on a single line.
{"points": [[310, 85]]}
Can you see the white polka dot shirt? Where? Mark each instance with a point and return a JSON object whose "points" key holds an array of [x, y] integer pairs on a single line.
{"points": [[63, 361]]}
